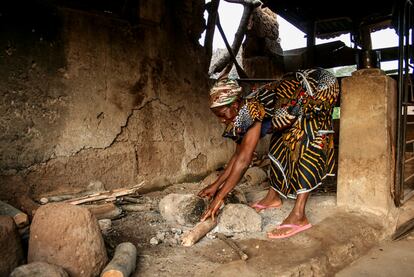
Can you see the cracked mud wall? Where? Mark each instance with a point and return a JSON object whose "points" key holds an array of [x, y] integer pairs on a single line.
{"points": [[89, 96]]}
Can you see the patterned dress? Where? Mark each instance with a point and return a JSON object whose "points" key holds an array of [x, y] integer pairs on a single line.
{"points": [[297, 111]]}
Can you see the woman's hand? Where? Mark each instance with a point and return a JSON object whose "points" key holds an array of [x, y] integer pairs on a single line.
{"points": [[209, 191], [213, 208]]}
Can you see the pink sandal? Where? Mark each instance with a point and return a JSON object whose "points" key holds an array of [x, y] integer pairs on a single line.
{"points": [[295, 229]]}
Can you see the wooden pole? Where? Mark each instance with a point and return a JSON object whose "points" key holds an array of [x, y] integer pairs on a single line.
{"points": [[123, 263]]}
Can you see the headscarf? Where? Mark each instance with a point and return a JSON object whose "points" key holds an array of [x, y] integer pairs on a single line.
{"points": [[224, 92]]}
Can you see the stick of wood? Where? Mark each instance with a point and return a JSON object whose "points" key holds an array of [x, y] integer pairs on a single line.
{"points": [[233, 245], [104, 211], [198, 232], [93, 188], [123, 263], [57, 198], [20, 218], [105, 195]]}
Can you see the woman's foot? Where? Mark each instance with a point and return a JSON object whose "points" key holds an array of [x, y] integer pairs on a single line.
{"points": [[272, 200], [292, 225]]}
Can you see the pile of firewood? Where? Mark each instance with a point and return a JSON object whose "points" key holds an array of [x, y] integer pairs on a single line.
{"points": [[105, 204]]}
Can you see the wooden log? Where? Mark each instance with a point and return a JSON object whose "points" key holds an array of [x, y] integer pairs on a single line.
{"points": [[233, 245], [93, 188], [123, 263], [57, 198], [20, 218], [105, 195], [136, 207], [27, 205], [131, 199], [198, 232], [104, 211]]}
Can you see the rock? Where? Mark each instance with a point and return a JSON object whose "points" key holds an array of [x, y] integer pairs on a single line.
{"points": [[95, 186], [39, 269], [255, 176], [176, 231], [11, 251], [209, 179], [154, 241], [67, 236], [160, 235], [236, 196], [182, 209], [239, 218], [105, 225]]}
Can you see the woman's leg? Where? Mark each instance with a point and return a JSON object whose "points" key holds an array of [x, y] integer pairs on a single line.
{"points": [[276, 177], [296, 217], [271, 200]]}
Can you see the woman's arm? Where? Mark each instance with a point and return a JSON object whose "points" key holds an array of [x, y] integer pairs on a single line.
{"points": [[238, 168]]}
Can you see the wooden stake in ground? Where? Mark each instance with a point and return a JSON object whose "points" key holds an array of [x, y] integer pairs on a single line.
{"points": [[20, 218], [123, 263], [233, 245], [198, 232]]}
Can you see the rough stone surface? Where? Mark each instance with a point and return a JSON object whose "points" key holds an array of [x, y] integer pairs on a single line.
{"points": [[239, 218], [11, 251], [182, 209], [262, 52], [39, 269], [95, 96], [68, 236], [255, 175], [366, 162]]}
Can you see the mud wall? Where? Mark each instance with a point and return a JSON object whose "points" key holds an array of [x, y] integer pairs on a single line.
{"points": [[90, 95]]}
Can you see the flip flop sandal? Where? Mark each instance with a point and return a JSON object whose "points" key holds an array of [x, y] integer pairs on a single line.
{"points": [[294, 230]]}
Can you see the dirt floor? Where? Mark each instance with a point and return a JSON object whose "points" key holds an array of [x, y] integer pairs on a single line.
{"points": [[335, 240], [389, 259]]}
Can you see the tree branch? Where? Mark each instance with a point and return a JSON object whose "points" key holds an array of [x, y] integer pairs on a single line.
{"points": [[227, 69]]}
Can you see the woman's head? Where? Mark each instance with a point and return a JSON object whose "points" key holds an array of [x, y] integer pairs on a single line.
{"points": [[225, 91], [224, 97], [227, 113]]}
